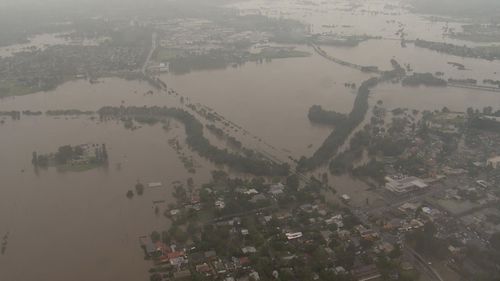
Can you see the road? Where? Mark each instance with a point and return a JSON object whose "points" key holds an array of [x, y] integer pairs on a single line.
{"points": [[322, 53], [474, 87], [423, 265], [150, 55]]}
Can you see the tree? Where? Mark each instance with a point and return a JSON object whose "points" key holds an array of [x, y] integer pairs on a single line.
{"points": [[470, 111], [139, 188], [155, 236], [130, 194], [488, 110]]}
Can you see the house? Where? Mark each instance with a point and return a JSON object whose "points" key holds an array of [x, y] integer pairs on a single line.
{"points": [[293, 236], [277, 189], [251, 191], [204, 268], [174, 255], [493, 162], [404, 185], [178, 262], [220, 204], [219, 267], [346, 198], [254, 275], [249, 250], [393, 224], [337, 219], [408, 207]]}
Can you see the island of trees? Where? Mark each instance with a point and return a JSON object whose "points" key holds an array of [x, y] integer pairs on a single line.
{"points": [[426, 79], [344, 129], [79, 157], [327, 117]]}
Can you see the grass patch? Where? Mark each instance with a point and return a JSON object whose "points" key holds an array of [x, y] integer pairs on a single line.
{"points": [[12, 88]]}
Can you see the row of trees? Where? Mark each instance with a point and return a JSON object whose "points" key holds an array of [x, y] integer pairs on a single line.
{"points": [[342, 131], [252, 164]]}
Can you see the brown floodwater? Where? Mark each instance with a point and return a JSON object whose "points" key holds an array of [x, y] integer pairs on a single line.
{"points": [[346, 17], [80, 225], [271, 100]]}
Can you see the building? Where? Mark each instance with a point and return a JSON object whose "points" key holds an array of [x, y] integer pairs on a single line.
{"points": [[493, 162], [346, 198], [277, 189], [404, 185], [293, 236]]}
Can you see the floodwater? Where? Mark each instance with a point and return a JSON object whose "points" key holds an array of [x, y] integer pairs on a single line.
{"points": [[345, 17], [80, 226], [271, 100], [432, 98], [76, 221], [380, 52]]}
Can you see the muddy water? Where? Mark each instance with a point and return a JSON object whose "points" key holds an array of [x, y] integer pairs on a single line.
{"points": [[80, 225], [373, 17], [380, 52], [432, 98], [271, 100], [345, 17]]}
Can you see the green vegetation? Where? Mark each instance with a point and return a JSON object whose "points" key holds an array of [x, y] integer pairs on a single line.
{"points": [[219, 59], [13, 88], [426, 79], [342, 131], [485, 123], [73, 158], [483, 52], [488, 33], [318, 115], [129, 194]]}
